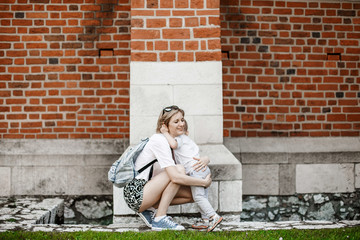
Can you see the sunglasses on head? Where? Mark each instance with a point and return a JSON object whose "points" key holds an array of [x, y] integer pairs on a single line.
{"points": [[168, 109]]}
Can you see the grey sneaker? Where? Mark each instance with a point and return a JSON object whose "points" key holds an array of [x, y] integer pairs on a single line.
{"points": [[213, 222], [201, 224], [166, 223], [147, 216]]}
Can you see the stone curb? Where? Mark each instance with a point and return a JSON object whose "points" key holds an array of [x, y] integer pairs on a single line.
{"points": [[33, 214], [226, 226]]}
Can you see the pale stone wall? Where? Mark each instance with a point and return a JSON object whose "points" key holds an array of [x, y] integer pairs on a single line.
{"points": [[193, 86], [282, 166], [57, 167]]}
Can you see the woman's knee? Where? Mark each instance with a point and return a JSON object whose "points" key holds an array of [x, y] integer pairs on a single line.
{"points": [[180, 169]]}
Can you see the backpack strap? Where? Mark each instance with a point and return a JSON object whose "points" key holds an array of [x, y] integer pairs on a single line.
{"points": [[147, 165]]}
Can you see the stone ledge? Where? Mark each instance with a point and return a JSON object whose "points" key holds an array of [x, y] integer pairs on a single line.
{"points": [[293, 144], [295, 150], [62, 146]]}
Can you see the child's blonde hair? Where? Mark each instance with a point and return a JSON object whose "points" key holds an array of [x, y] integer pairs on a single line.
{"points": [[166, 114], [185, 126]]}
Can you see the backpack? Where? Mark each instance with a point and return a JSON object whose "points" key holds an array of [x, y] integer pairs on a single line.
{"points": [[123, 170]]}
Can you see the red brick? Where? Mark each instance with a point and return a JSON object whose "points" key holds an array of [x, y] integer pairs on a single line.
{"points": [[176, 33], [185, 56], [336, 117], [51, 116], [144, 34], [135, 13], [161, 45], [183, 13], [191, 45], [206, 32], [175, 22], [353, 117], [208, 56], [135, 56], [156, 23]]}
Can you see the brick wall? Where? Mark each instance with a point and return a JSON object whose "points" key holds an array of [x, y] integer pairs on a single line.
{"points": [[291, 68], [175, 31], [64, 68]]}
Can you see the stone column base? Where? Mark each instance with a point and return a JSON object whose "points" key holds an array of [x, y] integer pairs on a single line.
{"points": [[225, 193]]}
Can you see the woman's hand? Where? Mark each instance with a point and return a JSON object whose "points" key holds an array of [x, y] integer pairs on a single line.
{"points": [[208, 180], [164, 128], [202, 163]]}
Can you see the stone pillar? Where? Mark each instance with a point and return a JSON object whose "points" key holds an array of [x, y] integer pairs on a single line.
{"points": [[176, 59]]}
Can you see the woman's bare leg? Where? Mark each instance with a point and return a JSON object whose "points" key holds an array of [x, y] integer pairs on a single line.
{"points": [[153, 190], [162, 192]]}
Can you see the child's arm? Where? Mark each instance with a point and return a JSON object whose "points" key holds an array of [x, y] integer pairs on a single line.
{"points": [[172, 142]]}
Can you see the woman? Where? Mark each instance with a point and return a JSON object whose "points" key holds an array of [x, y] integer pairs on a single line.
{"points": [[171, 185]]}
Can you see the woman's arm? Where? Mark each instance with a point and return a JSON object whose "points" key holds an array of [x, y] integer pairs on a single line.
{"points": [[181, 178], [172, 142]]}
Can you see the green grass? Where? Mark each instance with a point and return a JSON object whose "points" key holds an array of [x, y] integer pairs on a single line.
{"points": [[335, 234]]}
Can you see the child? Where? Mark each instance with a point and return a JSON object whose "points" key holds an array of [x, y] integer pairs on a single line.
{"points": [[185, 150]]}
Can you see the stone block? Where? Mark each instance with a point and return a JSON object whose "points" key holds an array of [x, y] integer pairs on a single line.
{"points": [[264, 145], [330, 178], [223, 164], [287, 179], [162, 73], [263, 157], [142, 127], [5, 179], [78, 186], [23, 181], [50, 180], [357, 175], [149, 100], [208, 129], [120, 206], [261, 179], [207, 95], [327, 144], [87, 180], [175, 209], [52, 147], [230, 196], [233, 144]]}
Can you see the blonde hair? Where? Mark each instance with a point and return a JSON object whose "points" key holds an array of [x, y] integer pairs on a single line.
{"points": [[165, 116]]}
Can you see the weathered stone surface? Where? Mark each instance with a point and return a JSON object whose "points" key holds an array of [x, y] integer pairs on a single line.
{"points": [[287, 175], [357, 175], [57, 167], [302, 207], [5, 179], [62, 146], [273, 202], [92, 209], [160, 82], [230, 196], [253, 205], [315, 178], [260, 179], [325, 212], [120, 206]]}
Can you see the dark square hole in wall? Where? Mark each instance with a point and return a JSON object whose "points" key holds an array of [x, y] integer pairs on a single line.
{"points": [[333, 56], [106, 52]]}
